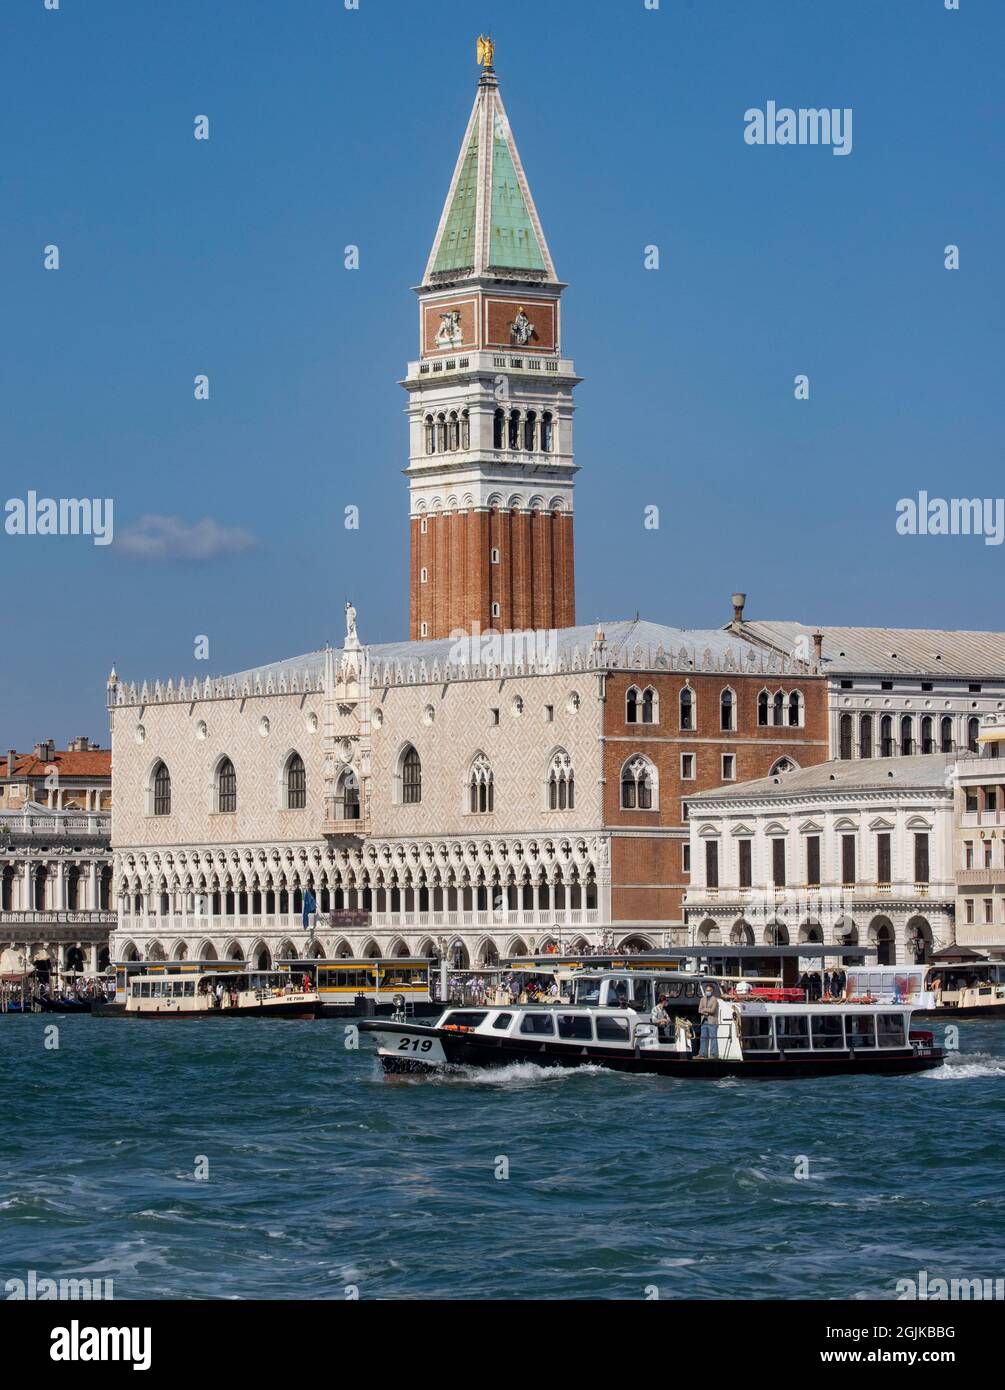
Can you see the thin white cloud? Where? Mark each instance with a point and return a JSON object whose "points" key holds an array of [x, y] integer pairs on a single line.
{"points": [[156, 537]]}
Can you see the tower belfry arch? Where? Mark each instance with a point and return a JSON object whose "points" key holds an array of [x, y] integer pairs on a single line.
{"points": [[490, 408]]}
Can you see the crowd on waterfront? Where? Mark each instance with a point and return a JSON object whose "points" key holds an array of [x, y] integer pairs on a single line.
{"points": [[28, 993]]}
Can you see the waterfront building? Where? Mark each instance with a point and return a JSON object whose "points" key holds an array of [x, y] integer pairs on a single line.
{"points": [[894, 692], [498, 802], [844, 853], [980, 842], [56, 899]]}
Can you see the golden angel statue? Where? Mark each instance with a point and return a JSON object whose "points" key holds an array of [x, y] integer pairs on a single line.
{"points": [[486, 48]]}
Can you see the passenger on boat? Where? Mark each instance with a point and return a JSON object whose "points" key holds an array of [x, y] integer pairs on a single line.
{"points": [[661, 1018], [708, 1013]]}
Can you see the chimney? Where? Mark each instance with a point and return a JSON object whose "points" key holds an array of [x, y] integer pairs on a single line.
{"points": [[818, 647], [738, 601], [45, 752], [11, 761], [79, 745]]}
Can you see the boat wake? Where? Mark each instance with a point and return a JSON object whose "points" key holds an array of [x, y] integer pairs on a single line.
{"points": [[964, 1067], [515, 1074]]}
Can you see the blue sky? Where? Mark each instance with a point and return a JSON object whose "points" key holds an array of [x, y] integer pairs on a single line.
{"points": [[330, 127]]}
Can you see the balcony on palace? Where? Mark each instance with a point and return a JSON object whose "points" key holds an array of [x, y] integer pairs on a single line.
{"points": [[88, 825], [173, 925], [983, 936], [980, 878]]}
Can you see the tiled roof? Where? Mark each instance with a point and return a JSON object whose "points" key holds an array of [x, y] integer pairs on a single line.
{"points": [[621, 636], [891, 650], [95, 762], [864, 774], [489, 221]]}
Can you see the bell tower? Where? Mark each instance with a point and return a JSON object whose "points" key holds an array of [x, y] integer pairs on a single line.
{"points": [[490, 406]]}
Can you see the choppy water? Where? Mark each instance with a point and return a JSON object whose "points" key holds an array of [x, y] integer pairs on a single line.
{"points": [[323, 1174]]}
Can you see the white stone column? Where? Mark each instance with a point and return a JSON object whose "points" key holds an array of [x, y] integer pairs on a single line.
{"points": [[26, 885], [92, 894]]}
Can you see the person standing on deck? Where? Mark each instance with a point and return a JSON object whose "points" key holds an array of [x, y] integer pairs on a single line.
{"points": [[708, 1014]]}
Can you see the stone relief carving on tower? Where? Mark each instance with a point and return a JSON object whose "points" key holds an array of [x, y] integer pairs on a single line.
{"points": [[449, 333], [521, 330]]}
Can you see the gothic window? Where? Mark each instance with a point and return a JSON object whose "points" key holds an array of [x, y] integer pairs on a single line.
{"points": [[638, 785], [430, 435], [687, 708], [514, 429], [844, 738], [498, 428], [453, 431], [480, 786], [727, 710], [927, 737], [546, 432], [865, 736], [778, 709], [226, 786], [162, 791], [441, 433], [347, 796], [561, 783], [973, 729], [632, 706], [795, 710], [296, 783], [411, 777], [529, 426], [945, 734], [906, 736], [886, 736], [465, 430], [650, 706], [762, 709]]}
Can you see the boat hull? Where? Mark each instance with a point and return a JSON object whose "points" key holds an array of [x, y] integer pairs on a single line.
{"points": [[402, 1050], [287, 1010], [951, 1014]]}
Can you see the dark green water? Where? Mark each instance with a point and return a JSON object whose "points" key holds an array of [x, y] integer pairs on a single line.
{"points": [[323, 1175]]}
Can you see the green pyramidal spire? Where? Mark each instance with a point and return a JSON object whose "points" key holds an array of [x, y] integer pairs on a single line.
{"points": [[489, 223]]}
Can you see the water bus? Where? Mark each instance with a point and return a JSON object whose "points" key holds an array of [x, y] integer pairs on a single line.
{"points": [[221, 993], [123, 973], [367, 987], [969, 989], [756, 1039]]}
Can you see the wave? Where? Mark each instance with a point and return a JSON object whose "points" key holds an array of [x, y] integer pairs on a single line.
{"points": [[977, 1064]]}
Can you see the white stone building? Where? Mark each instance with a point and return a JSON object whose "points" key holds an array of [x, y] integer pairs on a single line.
{"points": [[980, 842], [55, 857], [895, 692], [841, 853]]}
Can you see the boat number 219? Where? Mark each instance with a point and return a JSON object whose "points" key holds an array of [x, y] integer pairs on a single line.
{"points": [[415, 1044]]}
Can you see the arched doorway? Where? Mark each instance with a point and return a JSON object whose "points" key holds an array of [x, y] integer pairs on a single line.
{"points": [[488, 955], [776, 934], [263, 958], [73, 959], [881, 936], [708, 933], [918, 940], [636, 943], [741, 934]]}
